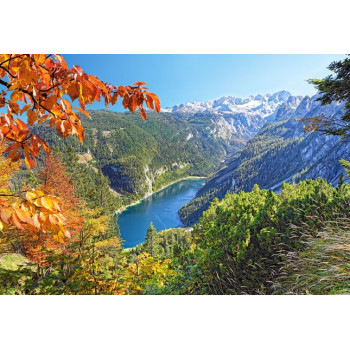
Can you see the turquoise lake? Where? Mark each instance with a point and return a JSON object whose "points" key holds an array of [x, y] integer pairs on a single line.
{"points": [[161, 208]]}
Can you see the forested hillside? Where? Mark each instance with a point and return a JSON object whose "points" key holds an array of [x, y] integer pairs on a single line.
{"points": [[138, 156]]}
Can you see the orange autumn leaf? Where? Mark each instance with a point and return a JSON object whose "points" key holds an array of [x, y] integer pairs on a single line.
{"points": [[41, 81], [83, 111]]}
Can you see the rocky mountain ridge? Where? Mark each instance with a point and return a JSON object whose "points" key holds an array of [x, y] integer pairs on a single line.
{"points": [[232, 118], [259, 105]]}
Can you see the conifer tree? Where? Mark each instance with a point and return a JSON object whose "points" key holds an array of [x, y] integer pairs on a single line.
{"points": [[340, 182], [346, 165], [333, 88], [152, 241]]}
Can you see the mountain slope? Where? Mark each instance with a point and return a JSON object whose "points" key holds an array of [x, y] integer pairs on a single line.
{"points": [[140, 156], [280, 152]]}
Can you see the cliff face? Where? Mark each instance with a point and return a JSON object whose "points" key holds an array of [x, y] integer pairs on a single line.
{"points": [[142, 187]]}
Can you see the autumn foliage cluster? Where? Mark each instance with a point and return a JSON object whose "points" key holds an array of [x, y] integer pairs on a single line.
{"points": [[47, 220]]}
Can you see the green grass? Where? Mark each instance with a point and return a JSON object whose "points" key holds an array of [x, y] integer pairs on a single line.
{"points": [[323, 267], [15, 270], [12, 262]]}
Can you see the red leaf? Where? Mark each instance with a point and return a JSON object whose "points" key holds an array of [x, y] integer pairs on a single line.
{"points": [[143, 113]]}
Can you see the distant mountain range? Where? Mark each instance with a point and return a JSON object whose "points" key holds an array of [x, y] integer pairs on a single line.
{"points": [[233, 118], [254, 106]]}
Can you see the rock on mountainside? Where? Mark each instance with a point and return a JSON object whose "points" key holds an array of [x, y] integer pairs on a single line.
{"points": [[280, 152], [235, 120]]}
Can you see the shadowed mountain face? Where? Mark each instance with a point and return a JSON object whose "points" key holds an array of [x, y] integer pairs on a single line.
{"points": [[280, 152]]}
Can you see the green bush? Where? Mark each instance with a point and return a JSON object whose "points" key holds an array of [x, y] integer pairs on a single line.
{"points": [[244, 239]]}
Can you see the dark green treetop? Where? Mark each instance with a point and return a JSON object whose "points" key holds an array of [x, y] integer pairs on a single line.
{"points": [[152, 241], [335, 87]]}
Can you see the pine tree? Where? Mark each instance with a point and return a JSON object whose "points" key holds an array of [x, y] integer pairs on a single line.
{"points": [[340, 182], [333, 88], [152, 241], [346, 165]]}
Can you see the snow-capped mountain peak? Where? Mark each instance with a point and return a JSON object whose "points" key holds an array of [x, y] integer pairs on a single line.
{"points": [[253, 106], [232, 117]]}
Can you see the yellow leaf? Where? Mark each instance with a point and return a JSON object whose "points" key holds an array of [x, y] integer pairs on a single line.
{"points": [[47, 203], [39, 193], [30, 196], [38, 202]]}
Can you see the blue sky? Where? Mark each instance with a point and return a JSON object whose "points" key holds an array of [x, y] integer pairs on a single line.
{"points": [[187, 78], [178, 79]]}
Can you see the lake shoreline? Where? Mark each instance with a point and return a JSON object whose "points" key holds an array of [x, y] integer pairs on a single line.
{"points": [[120, 210], [161, 208]]}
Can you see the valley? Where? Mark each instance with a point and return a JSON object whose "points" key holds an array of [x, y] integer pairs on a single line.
{"points": [[233, 142], [234, 195], [140, 157]]}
